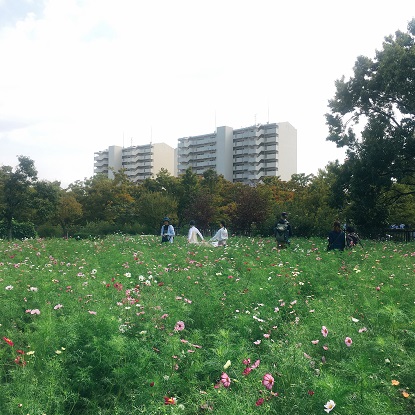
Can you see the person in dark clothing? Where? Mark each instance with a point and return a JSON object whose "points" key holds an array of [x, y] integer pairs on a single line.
{"points": [[282, 231], [337, 238], [352, 238]]}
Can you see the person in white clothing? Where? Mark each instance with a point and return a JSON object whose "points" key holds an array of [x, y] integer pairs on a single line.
{"points": [[193, 233], [167, 231], [221, 235]]}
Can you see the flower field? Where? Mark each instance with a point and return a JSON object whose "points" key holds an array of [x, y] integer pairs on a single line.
{"points": [[126, 325]]}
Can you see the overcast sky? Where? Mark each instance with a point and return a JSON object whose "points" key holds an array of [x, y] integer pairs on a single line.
{"points": [[77, 76]]}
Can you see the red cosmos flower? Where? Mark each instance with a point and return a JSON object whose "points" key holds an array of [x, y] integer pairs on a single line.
{"points": [[259, 402], [19, 361], [8, 341], [169, 401]]}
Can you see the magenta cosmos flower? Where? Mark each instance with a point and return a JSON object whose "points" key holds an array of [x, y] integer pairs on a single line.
{"points": [[324, 331], [268, 381], [225, 379], [179, 326]]}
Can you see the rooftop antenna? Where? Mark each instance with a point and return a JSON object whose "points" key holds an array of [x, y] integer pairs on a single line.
{"points": [[268, 112], [123, 139], [255, 119], [215, 120], [131, 141], [151, 135]]}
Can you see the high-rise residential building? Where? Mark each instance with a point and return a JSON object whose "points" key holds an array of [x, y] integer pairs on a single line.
{"points": [[244, 155], [139, 162]]}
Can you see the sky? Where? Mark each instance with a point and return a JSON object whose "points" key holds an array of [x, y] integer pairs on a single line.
{"points": [[77, 76]]}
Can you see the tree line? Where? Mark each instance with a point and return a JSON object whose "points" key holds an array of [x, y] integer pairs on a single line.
{"points": [[99, 205], [372, 116]]}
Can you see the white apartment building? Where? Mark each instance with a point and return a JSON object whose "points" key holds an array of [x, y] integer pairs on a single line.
{"points": [[139, 162], [208, 151], [244, 155]]}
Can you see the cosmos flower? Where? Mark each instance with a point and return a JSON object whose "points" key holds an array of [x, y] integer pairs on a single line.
{"points": [[324, 331], [8, 341], [169, 401], [259, 402], [179, 326], [268, 381], [227, 364], [348, 341], [225, 379], [329, 406]]}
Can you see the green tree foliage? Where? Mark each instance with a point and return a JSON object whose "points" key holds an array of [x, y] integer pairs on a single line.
{"points": [[69, 210], [17, 189], [186, 194], [381, 96], [152, 207], [45, 201]]}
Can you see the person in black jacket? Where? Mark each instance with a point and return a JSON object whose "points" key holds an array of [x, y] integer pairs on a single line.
{"points": [[282, 231], [337, 238]]}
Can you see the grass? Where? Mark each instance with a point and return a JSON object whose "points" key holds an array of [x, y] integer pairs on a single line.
{"points": [[88, 327]]}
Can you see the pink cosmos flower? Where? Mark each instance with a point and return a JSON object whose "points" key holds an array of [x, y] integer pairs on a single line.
{"points": [[164, 316], [246, 361], [92, 312], [324, 331], [256, 364], [57, 306], [314, 341], [247, 371], [226, 381], [179, 326], [362, 330], [35, 311], [348, 341], [268, 381]]}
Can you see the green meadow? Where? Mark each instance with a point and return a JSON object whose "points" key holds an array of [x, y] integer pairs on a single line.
{"points": [[126, 325]]}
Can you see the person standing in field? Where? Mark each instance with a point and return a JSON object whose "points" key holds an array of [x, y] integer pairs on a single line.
{"points": [[193, 233], [167, 231], [221, 235], [282, 231]]}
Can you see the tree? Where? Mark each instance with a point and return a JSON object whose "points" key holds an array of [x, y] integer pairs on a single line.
{"points": [[68, 211], [152, 207], [381, 96], [253, 207], [17, 187], [187, 191], [45, 201]]}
